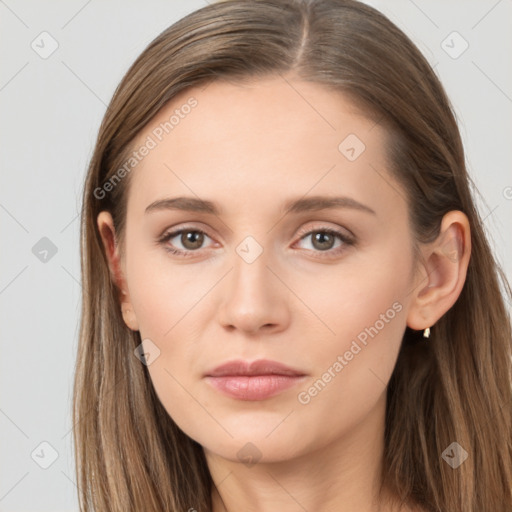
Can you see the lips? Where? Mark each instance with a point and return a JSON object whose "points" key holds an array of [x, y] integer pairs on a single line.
{"points": [[260, 367], [258, 380]]}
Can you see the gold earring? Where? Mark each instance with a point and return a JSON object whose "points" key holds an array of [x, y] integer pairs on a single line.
{"points": [[426, 332]]}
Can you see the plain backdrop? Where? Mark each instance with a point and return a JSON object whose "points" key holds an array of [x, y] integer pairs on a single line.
{"points": [[51, 106]]}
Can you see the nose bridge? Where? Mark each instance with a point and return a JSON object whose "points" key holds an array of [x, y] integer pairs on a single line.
{"points": [[250, 265], [253, 297], [251, 277]]}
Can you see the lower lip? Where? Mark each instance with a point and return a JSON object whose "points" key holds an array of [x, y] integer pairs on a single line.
{"points": [[253, 387]]}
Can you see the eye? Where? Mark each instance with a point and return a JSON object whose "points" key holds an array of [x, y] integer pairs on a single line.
{"points": [[324, 240], [190, 239]]}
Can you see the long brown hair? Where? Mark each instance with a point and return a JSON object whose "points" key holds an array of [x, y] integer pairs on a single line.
{"points": [[130, 455]]}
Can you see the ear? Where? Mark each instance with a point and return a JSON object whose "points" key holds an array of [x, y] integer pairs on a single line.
{"points": [[108, 236], [442, 272]]}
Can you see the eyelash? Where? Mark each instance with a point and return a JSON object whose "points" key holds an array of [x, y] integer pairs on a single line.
{"points": [[346, 240]]}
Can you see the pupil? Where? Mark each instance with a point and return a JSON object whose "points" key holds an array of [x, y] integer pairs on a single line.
{"points": [[321, 238], [192, 237]]}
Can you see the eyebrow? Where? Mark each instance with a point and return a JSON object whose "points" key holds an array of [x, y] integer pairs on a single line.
{"points": [[313, 203]]}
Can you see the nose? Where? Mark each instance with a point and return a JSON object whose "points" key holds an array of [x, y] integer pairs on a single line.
{"points": [[254, 299]]}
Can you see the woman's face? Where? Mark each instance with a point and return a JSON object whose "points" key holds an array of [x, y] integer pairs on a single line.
{"points": [[323, 290]]}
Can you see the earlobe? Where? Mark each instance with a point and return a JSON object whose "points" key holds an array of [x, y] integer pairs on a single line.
{"points": [[108, 236], [443, 272], [129, 317]]}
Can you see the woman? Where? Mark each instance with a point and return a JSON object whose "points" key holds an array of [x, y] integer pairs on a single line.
{"points": [[289, 300]]}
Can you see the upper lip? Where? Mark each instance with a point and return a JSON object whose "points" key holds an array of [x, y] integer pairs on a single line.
{"points": [[259, 367]]}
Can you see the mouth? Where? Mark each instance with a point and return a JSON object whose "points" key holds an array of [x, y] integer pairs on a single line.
{"points": [[254, 381]]}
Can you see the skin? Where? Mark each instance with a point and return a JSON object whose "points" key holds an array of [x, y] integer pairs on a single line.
{"points": [[249, 148]]}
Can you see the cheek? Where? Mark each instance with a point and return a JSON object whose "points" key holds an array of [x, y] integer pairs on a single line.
{"points": [[167, 300], [368, 290], [163, 294], [363, 311]]}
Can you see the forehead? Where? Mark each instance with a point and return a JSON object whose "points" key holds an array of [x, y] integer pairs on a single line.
{"points": [[258, 139]]}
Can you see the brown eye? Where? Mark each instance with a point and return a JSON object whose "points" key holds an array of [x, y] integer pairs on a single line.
{"points": [[183, 242], [323, 240], [326, 242], [192, 239]]}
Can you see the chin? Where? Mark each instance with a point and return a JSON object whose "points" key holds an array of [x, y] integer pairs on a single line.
{"points": [[248, 451]]}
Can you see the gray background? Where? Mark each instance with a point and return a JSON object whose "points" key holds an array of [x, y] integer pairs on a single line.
{"points": [[50, 111]]}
